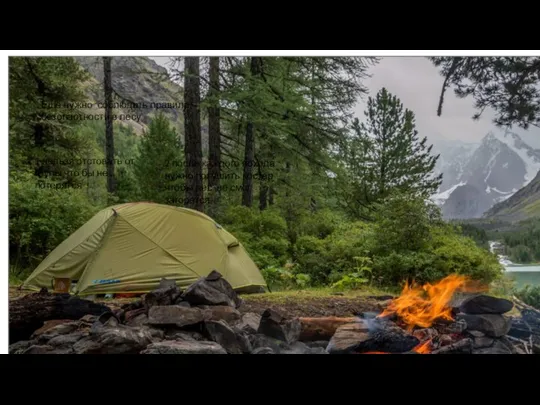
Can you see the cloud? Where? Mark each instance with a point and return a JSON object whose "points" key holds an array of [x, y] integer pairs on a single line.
{"points": [[418, 84]]}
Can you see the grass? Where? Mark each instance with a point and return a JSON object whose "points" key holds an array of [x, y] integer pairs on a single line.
{"points": [[315, 293]]}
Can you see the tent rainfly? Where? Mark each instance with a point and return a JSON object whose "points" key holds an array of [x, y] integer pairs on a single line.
{"points": [[129, 248]]}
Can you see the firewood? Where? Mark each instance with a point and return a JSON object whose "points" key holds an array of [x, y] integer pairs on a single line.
{"points": [[523, 342], [463, 346], [520, 303], [314, 329]]}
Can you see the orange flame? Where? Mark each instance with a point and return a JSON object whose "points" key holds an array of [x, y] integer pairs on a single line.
{"points": [[375, 353], [422, 305], [423, 348]]}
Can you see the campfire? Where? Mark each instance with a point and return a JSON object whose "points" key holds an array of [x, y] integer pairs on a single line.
{"points": [[450, 316], [421, 306]]}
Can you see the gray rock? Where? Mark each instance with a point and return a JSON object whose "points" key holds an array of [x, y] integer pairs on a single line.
{"points": [[38, 349], [481, 342], [165, 283], [162, 296], [174, 315], [318, 344], [89, 319], [263, 350], [86, 346], [66, 340], [485, 304], [347, 337], [455, 327], [220, 313], [274, 325], [259, 340], [182, 336], [114, 340], [58, 330], [184, 347], [139, 320], [221, 333], [497, 348], [318, 350], [249, 323], [130, 316], [106, 317], [175, 334], [493, 325], [157, 334], [20, 346], [212, 290], [302, 348], [182, 303], [112, 322]]}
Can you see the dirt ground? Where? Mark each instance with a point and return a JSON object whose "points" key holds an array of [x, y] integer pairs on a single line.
{"points": [[301, 303]]}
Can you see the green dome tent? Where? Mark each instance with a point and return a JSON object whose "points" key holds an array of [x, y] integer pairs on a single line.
{"points": [[129, 248]]}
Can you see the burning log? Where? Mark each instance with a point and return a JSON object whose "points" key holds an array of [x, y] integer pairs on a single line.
{"points": [[314, 329], [29, 313], [464, 346], [421, 306]]}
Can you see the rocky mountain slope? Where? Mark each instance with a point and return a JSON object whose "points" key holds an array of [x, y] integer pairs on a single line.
{"points": [[478, 177], [522, 205], [140, 83], [454, 156]]}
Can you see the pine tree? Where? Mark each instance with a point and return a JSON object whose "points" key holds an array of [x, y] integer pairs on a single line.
{"points": [[389, 155], [214, 136], [192, 130], [159, 168], [109, 134], [508, 85], [44, 93]]}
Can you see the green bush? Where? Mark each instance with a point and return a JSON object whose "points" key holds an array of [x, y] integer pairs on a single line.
{"points": [[327, 260], [407, 240], [281, 278], [263, 234], [321, 223], [530, 295], [40, 218]]}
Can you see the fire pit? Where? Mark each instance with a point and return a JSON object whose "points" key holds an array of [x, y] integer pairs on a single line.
{"points": [[452, 316]]}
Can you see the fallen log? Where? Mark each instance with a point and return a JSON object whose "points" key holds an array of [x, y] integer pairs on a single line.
{"points": [[520, 304], [30, 312], [313, 329]]}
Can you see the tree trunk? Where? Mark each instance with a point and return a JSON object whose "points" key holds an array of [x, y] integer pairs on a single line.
{"points": [[249, 153], [214, 136], [271, 196], [192, 130], [109, 138], [263, 196], [27, 314], [39, 130]]}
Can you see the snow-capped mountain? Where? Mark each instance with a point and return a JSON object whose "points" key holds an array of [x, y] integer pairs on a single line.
{"points": [[454, 157], [479, 176]]}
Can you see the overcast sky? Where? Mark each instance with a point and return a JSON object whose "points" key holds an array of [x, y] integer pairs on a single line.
{"points": [[418, 84]]}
